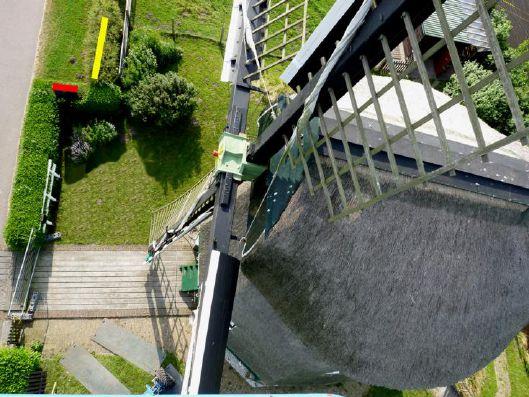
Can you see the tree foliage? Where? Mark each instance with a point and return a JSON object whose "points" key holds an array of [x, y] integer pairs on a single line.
{"points": [[502, 27], [162, 99], [16, 364], [139, 64], [99, 132], [166, 52], [491, 103]]}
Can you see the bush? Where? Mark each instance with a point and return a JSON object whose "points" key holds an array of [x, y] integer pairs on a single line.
{"points": [[16, 364], [110, 61], [166, 52], [139, 63], [502, 27], [37, 346], [86, 139], [162, 99], [99, 133], [39, 142], [80, 150], [101, 98], [491, 103]]}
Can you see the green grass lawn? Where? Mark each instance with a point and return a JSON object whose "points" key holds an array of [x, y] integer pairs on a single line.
{"points": [[489, 386], [125, 181], [66, 383], [63, 32], [129, 375], [517, 373]]}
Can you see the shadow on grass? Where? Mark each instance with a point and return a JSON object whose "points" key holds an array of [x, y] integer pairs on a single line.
{"points": [[110, 152], [170, 155]]}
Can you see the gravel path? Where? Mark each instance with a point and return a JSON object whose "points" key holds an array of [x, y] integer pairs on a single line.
{"points": [[501, 368]]}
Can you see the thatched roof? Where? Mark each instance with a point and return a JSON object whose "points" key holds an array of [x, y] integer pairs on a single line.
{"points": [[420, 290]]}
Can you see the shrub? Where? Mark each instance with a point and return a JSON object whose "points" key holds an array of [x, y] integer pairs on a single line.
{"points": [[80, 150], [166, 52], [502, 27], [110, 61], [39, 142], [16, 364], [139, 63], [520, 77], [162, 99], [491, 103], [101, 98], [37, 346], [99, 133]]}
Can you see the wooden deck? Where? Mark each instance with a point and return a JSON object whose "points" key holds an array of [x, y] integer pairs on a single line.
{"points": [[6, 276], [110, 283]]}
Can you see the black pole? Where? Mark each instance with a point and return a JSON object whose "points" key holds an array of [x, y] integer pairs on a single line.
{"points": [[218, 291]]}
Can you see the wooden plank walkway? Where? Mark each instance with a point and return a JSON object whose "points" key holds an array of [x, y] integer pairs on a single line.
{"points": [[110, 283], [6, 277]]}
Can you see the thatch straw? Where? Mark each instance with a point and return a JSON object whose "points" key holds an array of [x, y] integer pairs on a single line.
{"points": [[418, 291]]}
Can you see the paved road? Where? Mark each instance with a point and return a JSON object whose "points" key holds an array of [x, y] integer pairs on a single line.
{"points": [[20, 22]]}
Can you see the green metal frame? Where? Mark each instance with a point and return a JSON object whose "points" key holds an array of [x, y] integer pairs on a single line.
{"points": [[189, 277], [232, 158]]}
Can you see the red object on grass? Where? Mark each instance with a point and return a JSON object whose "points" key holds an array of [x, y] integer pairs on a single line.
{"points": [[58, 87], [215, 153]]}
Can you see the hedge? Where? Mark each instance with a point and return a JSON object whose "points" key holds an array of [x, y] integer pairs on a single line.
{"points": [[101, 98], [39, 142], [167, 52], [16, 364]]}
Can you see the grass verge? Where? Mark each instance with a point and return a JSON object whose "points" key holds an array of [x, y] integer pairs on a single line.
{"points": [[517, 374], [61, 56], [490, 385], [132, 377], [66, 383]]}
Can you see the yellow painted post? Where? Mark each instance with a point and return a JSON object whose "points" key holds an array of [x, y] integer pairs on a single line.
{"points": [[99, 49]]}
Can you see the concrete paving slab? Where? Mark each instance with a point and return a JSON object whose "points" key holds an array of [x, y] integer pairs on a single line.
{"points": [[91, 373], [127, 345]]}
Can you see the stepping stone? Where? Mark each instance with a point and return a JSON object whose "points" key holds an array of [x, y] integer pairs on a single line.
{"points": [[130, 347], [91, 373]]}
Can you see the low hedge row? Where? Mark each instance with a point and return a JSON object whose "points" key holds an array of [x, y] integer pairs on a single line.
{"points": [[100, 98], [39, 142], [16, 364]]}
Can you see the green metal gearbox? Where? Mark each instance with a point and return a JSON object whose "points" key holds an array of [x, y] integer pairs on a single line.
{"points": [[232, 158]]}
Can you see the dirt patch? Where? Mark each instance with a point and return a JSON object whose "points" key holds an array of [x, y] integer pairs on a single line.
{"points": [[233, 383], [502, 376], [171, 333]]}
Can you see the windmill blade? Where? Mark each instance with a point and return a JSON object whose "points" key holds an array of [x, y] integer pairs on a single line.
{"points": [[340, 153], [268, 29]]}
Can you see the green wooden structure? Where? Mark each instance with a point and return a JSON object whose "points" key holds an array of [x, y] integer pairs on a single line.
{"points": [[189, 277]]}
